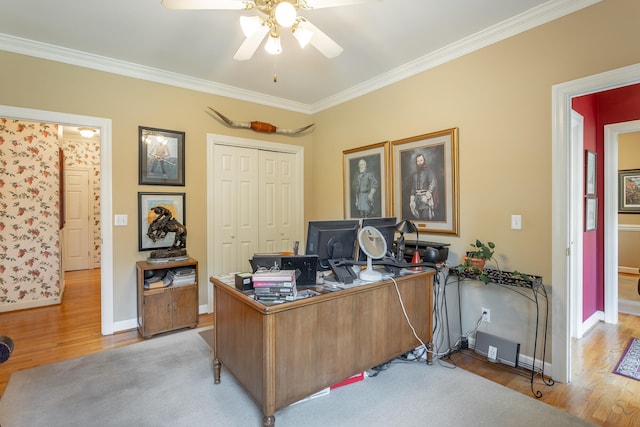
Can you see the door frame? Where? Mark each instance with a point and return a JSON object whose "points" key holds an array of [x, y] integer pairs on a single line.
{"points": [[216, 139], [611, 226], [564, 261], [106, 228]]}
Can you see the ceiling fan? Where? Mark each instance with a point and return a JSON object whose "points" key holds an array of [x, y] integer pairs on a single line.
{"points": [[275, 14]]}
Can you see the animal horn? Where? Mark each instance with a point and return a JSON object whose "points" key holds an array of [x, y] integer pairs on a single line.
{"points": [[260, 126], [293, 131], [232, 123]]}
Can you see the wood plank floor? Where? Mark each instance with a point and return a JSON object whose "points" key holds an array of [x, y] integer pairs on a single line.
{"points": [[72, 329]]}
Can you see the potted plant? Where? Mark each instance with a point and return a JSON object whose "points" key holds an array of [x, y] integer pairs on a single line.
{"points": [[476, 259], [480, 254]]}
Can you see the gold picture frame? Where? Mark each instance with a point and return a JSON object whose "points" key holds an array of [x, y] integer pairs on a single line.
{"points": [[367, 193], [430, 196]]}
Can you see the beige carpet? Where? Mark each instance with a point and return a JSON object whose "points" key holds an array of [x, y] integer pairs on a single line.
{"points": [[168, 381]]}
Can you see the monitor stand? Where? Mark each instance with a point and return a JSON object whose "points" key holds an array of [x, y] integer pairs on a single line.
{"points": [[343, 273]]}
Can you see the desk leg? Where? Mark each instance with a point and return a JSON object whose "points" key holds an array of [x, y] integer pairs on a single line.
{"points": [[430, 353], [268, 421], [216, 370]]}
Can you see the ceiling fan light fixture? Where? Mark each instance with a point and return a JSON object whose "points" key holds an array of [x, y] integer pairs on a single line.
{"points": [[285, 14], [302, 35], [249, 25], [87, 132], [273, 45]]}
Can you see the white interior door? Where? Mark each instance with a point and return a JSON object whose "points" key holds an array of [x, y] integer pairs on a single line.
{"points": [[278, 215], [236, 209], [76, 254], [237, 181]]}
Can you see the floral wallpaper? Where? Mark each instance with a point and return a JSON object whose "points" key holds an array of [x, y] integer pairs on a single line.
{"points": [[86, 153], [29, 214]]}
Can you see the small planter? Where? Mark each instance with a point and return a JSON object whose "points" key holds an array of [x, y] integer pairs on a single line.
{"points": [[476, 262]]}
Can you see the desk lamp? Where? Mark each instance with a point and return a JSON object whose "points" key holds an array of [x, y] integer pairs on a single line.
{"points": [[405, 226]]}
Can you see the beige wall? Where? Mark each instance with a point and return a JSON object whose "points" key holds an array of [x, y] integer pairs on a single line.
{"points": [[44, 85], [499, 98], [629, 239]]}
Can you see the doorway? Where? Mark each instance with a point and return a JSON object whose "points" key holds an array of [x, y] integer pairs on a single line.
{"points": [[565, 210], [106, 234]]}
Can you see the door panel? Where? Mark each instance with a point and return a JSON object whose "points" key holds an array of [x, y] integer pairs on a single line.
{"points": [[76, 255]]}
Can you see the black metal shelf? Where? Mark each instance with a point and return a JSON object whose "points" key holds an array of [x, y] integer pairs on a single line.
{"points": [[530, 287]]}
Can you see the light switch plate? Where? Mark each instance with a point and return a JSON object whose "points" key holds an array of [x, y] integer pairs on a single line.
{"points": [[516, 222], [120, 220]]}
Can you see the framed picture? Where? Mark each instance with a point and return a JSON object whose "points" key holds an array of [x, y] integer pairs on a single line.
{"points": [[590, 173], [425, 181], [174, 202], [161, 156], [590, 213], [366, 181], [629, 191]]}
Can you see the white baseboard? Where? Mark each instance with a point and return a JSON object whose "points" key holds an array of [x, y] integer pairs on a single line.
{"points": [[629, 307], [22, 305], [593, 320], [628, 270]]}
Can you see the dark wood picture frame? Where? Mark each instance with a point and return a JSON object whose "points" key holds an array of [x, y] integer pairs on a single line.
{"points": [[175, 202], [161, 157]]}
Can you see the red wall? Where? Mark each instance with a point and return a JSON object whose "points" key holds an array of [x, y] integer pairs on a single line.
{"points": [[601, 109]]}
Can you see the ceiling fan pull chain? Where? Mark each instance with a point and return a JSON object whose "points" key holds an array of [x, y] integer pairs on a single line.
{"points": [[275, 73]]}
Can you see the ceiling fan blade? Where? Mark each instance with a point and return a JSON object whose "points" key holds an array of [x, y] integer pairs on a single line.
{"points": [[204, 4], [319, 4], [321, 41], [250, 45]]}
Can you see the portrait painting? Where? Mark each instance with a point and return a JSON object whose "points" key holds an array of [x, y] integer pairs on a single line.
{"points": [[425, 176], [366, 181], [161, 156]]}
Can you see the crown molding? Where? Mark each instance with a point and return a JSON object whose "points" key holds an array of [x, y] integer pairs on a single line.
{"points": [[102, 63], [534, 17]]}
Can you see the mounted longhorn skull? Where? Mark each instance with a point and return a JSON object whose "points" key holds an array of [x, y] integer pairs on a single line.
{"points": [[260, 126]]}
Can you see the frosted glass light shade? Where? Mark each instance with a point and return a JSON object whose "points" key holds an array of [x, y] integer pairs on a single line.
{"points": [[285, 14], [273, 45], [87, 132]]}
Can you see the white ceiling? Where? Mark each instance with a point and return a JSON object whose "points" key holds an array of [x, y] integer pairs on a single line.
{"points": [[384, 41]]}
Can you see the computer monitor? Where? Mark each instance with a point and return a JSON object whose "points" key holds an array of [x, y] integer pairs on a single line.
{"points": [[332, 240], [386, 226]]}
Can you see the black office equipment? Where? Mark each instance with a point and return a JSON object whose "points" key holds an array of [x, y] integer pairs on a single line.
{"points": [[332, 240]]}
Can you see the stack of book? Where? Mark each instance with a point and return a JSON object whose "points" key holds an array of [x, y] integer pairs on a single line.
{"points": [[182, 276], [275, 285]]}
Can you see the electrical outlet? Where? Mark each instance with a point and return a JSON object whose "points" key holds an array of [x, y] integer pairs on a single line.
{"points": [[486, 315], [492, 354]]}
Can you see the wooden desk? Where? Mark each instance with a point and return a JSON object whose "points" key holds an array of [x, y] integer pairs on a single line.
{"points": [[283, 353]]}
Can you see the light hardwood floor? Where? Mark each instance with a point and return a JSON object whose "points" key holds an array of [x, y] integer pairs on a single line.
{"points": [[49, 334]]}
